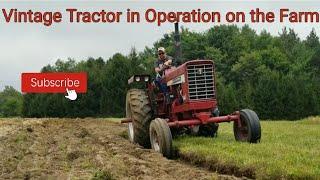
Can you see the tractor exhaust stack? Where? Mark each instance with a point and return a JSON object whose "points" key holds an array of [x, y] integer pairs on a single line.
{"points": [[177, 44]]}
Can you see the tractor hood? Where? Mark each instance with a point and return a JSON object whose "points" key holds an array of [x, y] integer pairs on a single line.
{"points": [[173, 73]]}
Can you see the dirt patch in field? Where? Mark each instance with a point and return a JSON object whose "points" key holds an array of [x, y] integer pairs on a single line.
{"points": [[83, 149]]}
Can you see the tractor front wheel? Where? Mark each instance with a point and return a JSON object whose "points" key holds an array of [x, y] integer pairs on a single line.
{"points": [[160, 137], [249, 129]]}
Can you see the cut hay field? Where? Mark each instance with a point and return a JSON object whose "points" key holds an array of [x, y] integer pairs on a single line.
{"points": [[288, 149]]}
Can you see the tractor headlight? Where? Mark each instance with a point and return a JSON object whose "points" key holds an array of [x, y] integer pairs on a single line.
{"points": [[146, 79], [137, 78]]}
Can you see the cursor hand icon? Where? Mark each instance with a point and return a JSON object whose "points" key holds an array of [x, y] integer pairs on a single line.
{"points": [[72, 95]]}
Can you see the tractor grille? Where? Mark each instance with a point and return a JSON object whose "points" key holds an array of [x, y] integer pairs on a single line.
{"points": [[201, 81]]}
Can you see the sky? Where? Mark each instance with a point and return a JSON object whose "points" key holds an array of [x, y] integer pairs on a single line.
{"points": [[29, 47]]}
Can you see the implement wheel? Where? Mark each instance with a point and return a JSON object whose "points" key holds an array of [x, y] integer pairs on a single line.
{"points": [[249, 129], [160, 137], [138, 109]]}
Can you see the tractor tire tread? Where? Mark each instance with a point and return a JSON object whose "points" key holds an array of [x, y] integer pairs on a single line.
{"points": [[141, 114]]}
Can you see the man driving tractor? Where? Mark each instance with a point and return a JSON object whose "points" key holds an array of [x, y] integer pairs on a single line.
{"points": [[161, 64]]}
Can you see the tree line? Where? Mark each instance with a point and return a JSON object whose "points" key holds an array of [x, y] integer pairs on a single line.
{"points": [[277, 76]]}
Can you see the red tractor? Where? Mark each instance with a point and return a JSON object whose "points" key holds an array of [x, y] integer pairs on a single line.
{"points": [[192, 107]]}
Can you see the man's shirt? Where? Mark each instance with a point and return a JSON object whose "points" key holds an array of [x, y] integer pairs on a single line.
{"points": [[159, 63]]}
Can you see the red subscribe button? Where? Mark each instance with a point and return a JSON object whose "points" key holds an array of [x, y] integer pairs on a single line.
{"points": [[53, 82]]}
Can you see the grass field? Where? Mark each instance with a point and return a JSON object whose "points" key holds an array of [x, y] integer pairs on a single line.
{"points": [[288, 150]]}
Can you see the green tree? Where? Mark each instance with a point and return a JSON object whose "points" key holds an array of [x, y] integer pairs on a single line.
{"points": [[10, 102], [312, 40]]}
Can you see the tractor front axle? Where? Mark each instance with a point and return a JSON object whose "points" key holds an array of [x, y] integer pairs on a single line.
{"points": [[191, 122], [201, 119]]}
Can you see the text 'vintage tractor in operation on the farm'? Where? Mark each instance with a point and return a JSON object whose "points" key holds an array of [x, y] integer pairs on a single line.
{"points": [[192, 107]]}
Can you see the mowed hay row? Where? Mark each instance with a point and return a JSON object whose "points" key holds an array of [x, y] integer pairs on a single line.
{"points": [[288, 149]]}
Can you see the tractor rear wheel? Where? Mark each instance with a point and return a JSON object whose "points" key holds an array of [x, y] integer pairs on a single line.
{"points": [[249, 129], [138, 109], [160, 137]]}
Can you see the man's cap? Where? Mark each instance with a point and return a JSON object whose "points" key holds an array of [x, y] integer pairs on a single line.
{"points": [[161, 49]]}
